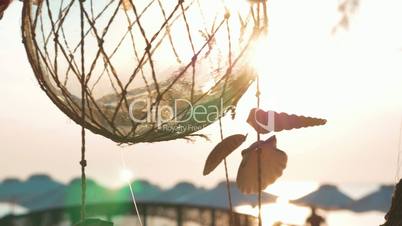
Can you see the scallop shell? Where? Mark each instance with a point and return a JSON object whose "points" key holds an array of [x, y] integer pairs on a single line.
{"points": [[273, 162]]}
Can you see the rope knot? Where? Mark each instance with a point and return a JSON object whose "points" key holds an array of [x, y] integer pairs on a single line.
{"points": [[194, 59], [100, 43], [229, 71], [56, 37], [83, 163], [148, 48]]}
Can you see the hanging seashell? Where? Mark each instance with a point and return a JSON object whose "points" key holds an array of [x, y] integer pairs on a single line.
{"points": [[221, 151], [94, 222], [3, 6], [268, 121], [273, 162]]}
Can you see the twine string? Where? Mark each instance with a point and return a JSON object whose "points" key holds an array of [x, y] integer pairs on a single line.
{"points": [[83, 161], [124, 165]]}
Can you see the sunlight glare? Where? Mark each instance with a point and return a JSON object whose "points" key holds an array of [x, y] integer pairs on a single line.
{"points": [[292, 190], [259, 56], [126, 175], [281, 211]]}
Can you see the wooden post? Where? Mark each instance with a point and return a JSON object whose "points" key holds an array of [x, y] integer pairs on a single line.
{"points": [[144, 211], [179, 216], [213, 217]]}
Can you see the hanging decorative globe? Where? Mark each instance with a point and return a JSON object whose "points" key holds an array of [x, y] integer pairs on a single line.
{"points": [[149, 70]]}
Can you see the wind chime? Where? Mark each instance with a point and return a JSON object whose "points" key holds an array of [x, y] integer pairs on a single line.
{"points": [[117, 67], [263, 163]]}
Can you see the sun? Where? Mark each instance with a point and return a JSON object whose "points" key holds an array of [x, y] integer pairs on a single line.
{"points": [[259, 55]]}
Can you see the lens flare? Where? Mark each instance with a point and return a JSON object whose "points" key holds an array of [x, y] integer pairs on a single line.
{"points": [[126, 175]]}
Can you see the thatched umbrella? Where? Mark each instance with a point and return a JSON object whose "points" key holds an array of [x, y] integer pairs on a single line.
{"points": [[327, 197], [394, 215]]}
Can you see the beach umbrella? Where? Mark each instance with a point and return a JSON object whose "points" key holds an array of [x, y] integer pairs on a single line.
{"points": [[216, 197], [379, 200], [326, 197]]}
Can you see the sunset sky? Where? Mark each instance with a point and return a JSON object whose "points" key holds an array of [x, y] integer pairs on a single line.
{"points": [[353, 79]]}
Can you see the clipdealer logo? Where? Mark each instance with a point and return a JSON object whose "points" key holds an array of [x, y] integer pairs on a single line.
{"points": [[170, 117]]}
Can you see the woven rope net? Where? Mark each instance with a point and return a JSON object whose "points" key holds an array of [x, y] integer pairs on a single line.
{"points": [[145, 65]]}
